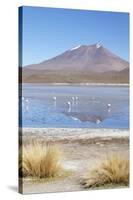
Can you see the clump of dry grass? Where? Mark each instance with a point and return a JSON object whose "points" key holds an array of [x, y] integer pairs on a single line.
{"points": [[113, 170], [39, 160]]}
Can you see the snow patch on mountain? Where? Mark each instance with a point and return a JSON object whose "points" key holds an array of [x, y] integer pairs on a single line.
{"points": [[98, 45], [75, 48]]}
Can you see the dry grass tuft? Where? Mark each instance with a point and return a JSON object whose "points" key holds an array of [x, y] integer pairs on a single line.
{"points": [[39, 160], [114, 170]]}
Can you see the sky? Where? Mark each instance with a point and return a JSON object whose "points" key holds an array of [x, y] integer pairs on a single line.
{"points": [[48, 32]]}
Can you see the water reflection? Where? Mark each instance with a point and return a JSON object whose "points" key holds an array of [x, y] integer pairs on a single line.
{"points": [[84, 117]]}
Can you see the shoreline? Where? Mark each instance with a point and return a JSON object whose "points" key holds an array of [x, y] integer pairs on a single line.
{"points": [[79, 84], [73, 134]]}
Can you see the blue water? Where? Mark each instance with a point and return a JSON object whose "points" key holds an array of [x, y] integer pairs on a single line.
{"points": [[89, 110]]}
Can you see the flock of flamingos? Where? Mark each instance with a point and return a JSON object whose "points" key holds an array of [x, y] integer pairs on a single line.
{"points": [[74, 100]]}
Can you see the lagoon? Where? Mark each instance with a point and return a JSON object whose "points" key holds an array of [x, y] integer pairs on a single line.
{"points": [[74, 106]]}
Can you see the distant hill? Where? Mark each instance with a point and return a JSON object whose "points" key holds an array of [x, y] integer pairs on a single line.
{"points": [[81, 64]]}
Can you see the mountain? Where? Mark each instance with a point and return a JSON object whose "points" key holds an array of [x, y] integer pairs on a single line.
{"points": [[93, 63]]}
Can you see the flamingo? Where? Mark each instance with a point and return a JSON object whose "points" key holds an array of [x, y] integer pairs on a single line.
{"points": [[22, 98], [73, 99], [109, 107], [54, 98], [98, 121], [27, 104], [69, 106], [76, 98], [27, 101]]}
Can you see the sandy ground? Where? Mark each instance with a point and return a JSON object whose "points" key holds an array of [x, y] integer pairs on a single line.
{"points": [[81, 153]]}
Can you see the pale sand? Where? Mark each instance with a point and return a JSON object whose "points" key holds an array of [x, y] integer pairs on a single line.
{"points": [[82, 148]]}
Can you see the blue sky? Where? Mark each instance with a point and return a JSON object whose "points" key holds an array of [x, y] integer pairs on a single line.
{"points": [[48, 32]]}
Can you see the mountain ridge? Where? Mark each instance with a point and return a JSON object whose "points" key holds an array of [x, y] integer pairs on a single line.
{"points": [[93, 60]]}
